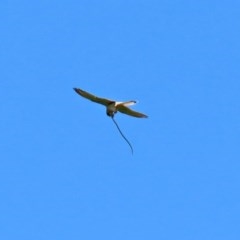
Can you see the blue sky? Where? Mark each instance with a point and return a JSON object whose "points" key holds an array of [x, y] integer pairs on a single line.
{"points": [[65, 171]]}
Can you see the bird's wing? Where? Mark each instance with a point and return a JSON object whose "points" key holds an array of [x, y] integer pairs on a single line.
{"points": [[93, 98], [121, 108]]}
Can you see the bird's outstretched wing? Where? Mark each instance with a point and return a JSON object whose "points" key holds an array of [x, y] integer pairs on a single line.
{"points": [[123, 109], [93, 98]]}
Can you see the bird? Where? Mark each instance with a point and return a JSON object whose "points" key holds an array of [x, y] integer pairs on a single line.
{"points": [[112, 107]]}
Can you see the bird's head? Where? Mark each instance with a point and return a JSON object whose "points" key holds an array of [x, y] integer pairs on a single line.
{"points": [[110, 113]]}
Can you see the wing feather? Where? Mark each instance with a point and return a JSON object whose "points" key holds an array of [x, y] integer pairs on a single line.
{"points": [[128, 111], [92, 97]]}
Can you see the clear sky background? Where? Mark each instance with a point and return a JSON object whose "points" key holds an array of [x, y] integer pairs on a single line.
{"points": [[65, 171]]}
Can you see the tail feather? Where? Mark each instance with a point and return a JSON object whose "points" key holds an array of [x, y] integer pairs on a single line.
{"points": [[129, 103]]}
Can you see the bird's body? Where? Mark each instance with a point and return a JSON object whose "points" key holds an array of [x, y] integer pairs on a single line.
{"points": [[112, 107]]}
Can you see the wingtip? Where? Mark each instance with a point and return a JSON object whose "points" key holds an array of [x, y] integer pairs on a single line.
{"points": [[77, 90]]}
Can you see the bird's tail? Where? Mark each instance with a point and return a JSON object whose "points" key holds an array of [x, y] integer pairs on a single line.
{"points": [[128, 103]]}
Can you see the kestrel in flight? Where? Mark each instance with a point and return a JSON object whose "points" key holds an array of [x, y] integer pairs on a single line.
{"points": [[112, 106]]}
